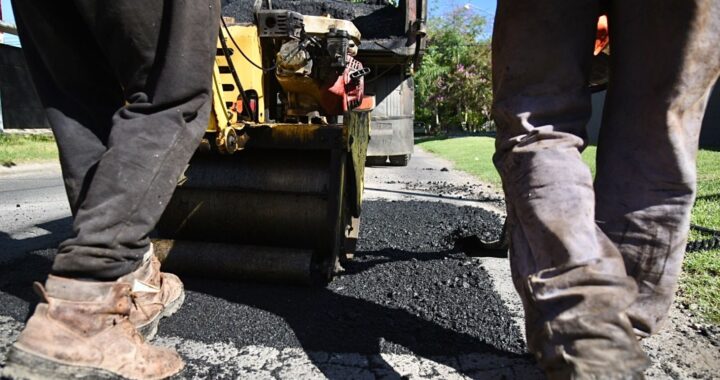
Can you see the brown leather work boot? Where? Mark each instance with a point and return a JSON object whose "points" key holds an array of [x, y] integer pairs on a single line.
{"points": [[155, 295], [81, 330]]}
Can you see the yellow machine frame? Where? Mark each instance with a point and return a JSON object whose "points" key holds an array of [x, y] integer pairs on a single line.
{"points": [[225, 92]]}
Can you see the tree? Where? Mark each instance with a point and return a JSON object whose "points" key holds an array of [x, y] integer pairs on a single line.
{"points": [[453, 83]]}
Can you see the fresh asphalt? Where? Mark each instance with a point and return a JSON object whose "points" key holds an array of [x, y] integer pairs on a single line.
{"points": [[412, 304]]}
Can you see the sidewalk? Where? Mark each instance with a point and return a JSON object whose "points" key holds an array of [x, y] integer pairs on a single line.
{"points": [[29, 167]]}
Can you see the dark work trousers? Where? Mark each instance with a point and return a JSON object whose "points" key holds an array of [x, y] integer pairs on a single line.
{"points": [[596, 263], [127, 89]]}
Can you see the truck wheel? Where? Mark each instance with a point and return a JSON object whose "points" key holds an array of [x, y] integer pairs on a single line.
{"points": [[401, 160], [375, 161]]}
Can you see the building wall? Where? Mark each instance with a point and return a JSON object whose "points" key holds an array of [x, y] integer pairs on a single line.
{"points": [[21, 108]]}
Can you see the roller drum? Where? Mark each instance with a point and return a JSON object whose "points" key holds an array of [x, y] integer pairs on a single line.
{"points": [[265, 214], [244, 262], [272, 219]]}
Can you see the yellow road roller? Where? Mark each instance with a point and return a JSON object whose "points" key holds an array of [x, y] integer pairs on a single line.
{"points": [[274, 191]]}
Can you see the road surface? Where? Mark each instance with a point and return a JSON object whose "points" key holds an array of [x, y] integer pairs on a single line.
{"points": [[414, 304]]}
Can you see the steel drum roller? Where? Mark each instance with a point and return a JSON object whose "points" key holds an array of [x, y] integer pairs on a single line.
{"points": [[255, 208]]}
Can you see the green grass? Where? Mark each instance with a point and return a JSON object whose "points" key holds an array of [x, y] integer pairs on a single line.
{"points": [[469, 154], [17, 149], [474, 155], [700, 282]]}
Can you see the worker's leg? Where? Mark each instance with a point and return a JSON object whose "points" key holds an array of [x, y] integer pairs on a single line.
{"points": [[79, 327], [162, 53], [81, 93], [570, 277], [75, 84], [664, 60]]}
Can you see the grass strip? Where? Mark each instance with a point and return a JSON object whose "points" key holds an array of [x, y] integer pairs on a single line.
{"points": [[16, 149]]}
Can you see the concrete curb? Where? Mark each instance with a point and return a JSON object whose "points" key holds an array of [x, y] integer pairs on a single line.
{"points": [[28, 131], [30, 167]]}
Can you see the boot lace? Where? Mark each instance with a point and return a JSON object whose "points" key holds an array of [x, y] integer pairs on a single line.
{"points": [[134, 298], [134, 333]]}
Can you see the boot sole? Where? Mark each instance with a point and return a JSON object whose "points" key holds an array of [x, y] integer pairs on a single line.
{"points": [[22, 365], [150, 329]]}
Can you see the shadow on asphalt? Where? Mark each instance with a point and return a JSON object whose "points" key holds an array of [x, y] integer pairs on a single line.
{"points": [[324, 321], [397, 299], [364, 261], [19, 268], [320, 319], [17, 297], [58, 230]]}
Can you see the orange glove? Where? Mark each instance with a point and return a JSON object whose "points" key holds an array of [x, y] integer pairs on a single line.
{"points": [[603, 36]]}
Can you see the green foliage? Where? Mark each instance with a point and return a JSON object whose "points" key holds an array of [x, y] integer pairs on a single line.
{"points": [[469, 154], [453, 85], [16, 149], [474, 155]]}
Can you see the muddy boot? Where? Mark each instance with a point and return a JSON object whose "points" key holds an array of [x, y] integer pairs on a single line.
{"points": [[81, 330], [155, 295]]}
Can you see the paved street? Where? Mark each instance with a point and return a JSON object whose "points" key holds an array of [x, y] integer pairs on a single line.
{"points": [[414, 304], [34, 212]]}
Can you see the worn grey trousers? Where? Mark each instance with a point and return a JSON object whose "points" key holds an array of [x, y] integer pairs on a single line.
{"points": [[127, 89], [597, 263]]}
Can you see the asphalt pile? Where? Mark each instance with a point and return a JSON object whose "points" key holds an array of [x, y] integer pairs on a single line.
{"points": [[373, 20], [423, 226], [411, 289], [408, 290]]}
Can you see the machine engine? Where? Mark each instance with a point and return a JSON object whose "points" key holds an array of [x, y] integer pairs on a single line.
{"points": [[314, 65]]}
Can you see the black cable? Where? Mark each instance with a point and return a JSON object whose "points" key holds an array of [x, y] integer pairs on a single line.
{"points": [[704, 244], [236, 78], [242, 52]]}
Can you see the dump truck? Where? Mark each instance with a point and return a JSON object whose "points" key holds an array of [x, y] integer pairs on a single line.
{"points": [[394, 55]]}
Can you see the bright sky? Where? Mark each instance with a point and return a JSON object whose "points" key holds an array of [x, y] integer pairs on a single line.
{"points": [[483, 7], [8, 17]]}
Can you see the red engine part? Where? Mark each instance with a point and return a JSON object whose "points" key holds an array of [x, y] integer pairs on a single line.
{"points": [[347, 91], [602, 38]]}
